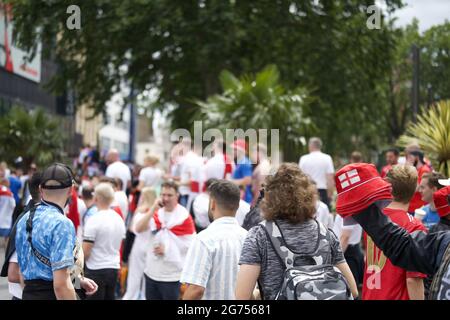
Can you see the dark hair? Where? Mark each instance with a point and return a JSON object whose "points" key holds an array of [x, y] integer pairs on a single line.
{"points": [[395, 151], [289, 195], [433, 178], [170, 185], [226, 194], [87, 193], [209, 182], [118, 183], [419, 154], [356, 157], [34, 183], [107, 180]]}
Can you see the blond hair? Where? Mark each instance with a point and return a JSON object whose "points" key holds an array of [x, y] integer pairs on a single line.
{"points": [[403, 179], [147, 198], [104, 193], [151, 160]]}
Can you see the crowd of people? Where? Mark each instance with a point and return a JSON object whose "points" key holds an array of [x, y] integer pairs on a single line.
{"points": [[224, 227]]}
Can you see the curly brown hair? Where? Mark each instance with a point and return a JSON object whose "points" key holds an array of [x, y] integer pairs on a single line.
{"points": [[289, 195]]}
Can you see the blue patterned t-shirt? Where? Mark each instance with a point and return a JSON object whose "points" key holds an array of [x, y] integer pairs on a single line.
{"points": [[53, 237]]}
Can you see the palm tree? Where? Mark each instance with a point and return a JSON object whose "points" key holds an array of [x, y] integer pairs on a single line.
{"points": [[32, 135], [432, 133], [259, 102]]}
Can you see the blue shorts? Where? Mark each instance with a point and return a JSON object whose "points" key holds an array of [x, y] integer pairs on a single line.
{"points": [[5, 232]]}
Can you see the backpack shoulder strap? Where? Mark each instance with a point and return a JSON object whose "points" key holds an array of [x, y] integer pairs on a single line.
{"points": [[29, 229], [279, 245]]}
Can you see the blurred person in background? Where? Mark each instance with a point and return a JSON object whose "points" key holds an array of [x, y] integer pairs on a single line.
{"points": [[416, 158], [117, 169], [242, 175], [392, 157], [319, 167], [138, 255], [261, 171], [427, 187]]}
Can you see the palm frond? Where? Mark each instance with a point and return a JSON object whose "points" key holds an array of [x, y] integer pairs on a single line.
{"points": [[432, 134]]}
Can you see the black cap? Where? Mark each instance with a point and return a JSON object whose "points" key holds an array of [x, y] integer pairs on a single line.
{"points": [[58, 172]]}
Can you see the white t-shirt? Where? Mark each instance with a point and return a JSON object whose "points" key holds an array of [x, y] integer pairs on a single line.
{"points": [[106, 230], [242, 211], [317, 165], [215, 167], [355, 230], [141, 238], [81, 211], [121, 199], [7, 206], [14, 288], [201, 205], [150, 176], [191, 169], [323, 215], [200, 209], [119, 170]]}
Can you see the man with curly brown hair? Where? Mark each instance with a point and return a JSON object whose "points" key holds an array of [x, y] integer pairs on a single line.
{"points": [[289, 202]]}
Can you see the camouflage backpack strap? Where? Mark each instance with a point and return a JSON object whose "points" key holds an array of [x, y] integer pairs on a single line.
{"points": [[288, 257], [324, 245], [279, 245]]}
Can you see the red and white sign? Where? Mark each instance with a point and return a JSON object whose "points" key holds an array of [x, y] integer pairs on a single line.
{"points": [[11, 56]]}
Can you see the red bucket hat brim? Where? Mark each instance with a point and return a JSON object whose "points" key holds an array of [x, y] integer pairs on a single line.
{"points": [[384, 192], [440, 199], [362, 192]]}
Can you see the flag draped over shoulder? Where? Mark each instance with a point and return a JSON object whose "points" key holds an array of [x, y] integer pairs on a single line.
{"points": [[175, 233]]}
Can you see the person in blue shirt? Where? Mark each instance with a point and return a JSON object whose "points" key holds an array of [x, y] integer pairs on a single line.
{"points": [[46, 243], [427, 187], [15, 185], [242, 175]]}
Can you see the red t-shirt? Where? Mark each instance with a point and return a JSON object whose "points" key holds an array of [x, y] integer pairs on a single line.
{"points": [[416, 201], [385, 170], [382, 279]]}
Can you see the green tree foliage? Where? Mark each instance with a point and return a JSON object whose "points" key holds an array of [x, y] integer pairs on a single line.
{"points": [[395, 91], [259, 102], [32, 135], [435, 66], [180, 47]]}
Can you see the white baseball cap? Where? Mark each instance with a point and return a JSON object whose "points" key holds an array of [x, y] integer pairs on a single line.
{"points": [[444, 182]]}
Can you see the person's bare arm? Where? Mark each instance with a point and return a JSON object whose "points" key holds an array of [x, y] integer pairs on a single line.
{"points": [[144, 224], [141, 185], [13, 272], [345, 269], [193, 292], [246, 281], [330, 184], [62, 285], [345, 236], [87, 247], [243, 182], [416, 290]]}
